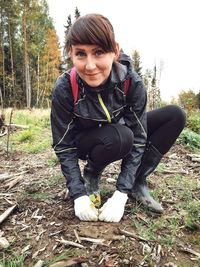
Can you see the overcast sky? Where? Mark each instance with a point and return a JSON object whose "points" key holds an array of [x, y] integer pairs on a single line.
{"points": [[165, 31]]}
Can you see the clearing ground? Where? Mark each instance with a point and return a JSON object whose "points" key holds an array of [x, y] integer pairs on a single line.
{"points": [[43, 216]]}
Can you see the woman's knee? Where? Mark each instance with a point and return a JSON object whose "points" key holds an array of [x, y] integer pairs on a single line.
{"points": [[177, 114], [123, 138]]}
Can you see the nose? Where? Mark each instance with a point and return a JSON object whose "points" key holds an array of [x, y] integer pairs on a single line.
{"points": [[90, 63]]}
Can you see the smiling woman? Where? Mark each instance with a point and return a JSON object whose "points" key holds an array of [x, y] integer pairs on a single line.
{"points": [[107, 123], [94, 60], [92, 63]]}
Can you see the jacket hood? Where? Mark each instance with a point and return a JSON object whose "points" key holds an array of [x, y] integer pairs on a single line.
{"points": [[121, 69]]}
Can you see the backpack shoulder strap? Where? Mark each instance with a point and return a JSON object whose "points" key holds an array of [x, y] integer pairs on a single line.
{"points": [[126, 86], [74, 84]]}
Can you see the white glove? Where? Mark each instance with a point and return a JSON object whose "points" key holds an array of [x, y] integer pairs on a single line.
{"points": [[85, 209], [113, 209]]}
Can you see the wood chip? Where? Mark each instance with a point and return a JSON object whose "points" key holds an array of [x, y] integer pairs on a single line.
{"points": [[7, 213], [4, 242], [77, 236], [40, 263]]}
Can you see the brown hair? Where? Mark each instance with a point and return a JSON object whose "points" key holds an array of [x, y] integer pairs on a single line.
{"points": [[92, 29]]}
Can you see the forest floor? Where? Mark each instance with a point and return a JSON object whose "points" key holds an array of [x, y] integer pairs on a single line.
{"points": [[42, 217]]}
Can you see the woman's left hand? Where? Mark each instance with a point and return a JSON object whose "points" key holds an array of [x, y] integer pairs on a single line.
{"points": [[113, 209]]}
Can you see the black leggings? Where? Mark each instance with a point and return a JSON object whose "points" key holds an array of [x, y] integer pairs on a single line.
{"points": [[113, 142]]}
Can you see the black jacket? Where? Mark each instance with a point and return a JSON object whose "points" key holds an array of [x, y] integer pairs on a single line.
{"points": [[67, 120]]}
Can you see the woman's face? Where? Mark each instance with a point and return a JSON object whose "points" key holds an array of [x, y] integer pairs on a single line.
{"points": [[93, 65]]}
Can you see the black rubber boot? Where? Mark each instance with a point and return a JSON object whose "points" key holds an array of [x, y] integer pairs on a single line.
{"points": [[150, 161], [91, 177]]}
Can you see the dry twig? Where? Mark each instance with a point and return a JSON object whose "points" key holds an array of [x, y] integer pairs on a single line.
{"points": [[77, 236], [191, 251], [6, 213], [131, 234], [93, 240], [13, 182], [6, 176], [69, 243]]}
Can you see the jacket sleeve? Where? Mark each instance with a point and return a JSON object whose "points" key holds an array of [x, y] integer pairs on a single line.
{"points": [[63, 133], [135, 119]]}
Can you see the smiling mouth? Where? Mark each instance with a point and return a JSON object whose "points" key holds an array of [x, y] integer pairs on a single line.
{"points": [[91, 74]]}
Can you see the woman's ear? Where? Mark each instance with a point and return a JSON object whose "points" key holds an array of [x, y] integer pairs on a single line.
{"points": [[117, 51], [69, 53]]}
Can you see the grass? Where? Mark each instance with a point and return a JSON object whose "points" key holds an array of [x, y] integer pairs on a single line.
{"points": [[53, 161], [14, 260], [184, 215], [36, 138], [66, 255]]}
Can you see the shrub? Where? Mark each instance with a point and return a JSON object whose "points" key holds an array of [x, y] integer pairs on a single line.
{"points": [[190, 139], [193, 121]]}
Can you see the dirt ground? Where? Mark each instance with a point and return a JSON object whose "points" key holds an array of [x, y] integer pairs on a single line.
{"points": [[43, 217]]}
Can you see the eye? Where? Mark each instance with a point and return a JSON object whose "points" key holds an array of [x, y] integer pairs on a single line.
{"points": [[80, 54], [99, 52]]}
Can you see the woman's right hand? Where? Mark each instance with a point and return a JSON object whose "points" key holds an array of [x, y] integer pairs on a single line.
{"points": [[85, 209]]}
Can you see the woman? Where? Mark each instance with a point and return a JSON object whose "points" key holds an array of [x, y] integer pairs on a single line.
{"points": [[106, 123]]}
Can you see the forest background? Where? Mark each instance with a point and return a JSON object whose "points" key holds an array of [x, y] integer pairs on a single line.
{"points": [[31, 58]]}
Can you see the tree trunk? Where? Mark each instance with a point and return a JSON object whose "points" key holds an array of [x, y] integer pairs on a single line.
{"points": [[26, 59], [38, 80], [11, 55], [45, 83], [1, 99], [3, 57]]}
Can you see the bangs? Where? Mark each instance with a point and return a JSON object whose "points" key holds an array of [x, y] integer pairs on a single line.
{"points": [[92, 31]]}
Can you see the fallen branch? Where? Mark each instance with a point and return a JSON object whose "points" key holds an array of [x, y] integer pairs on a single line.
{"points": [[195, 159], [131, 234], [6, 176], [6, 213], [174, 171], [93, 240], [69, 243], [6, 194], [193, 155], [12, 125], [191, 251], [12, 183]]}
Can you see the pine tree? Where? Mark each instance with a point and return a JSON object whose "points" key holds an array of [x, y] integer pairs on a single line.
{"points": [[153, 90], [136, 62], [67, 61], [77, 13]]}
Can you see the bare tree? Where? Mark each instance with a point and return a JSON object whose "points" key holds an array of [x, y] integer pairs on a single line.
{"points": [[26, 58]]}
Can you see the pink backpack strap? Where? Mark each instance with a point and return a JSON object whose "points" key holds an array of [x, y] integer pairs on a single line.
{"points": [[74, 84], [126, 86]]}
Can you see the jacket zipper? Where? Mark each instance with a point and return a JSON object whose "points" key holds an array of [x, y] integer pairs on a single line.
{"points": [[104, 108]]}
